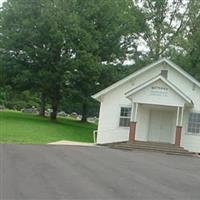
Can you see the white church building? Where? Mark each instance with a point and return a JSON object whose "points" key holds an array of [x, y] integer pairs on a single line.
{"points": [[159, 103]]}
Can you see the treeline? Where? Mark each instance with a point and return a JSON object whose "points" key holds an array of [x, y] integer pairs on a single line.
{"points": [[57, 53]]}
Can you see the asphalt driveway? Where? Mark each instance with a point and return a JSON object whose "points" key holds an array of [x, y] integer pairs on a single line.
{"points": [[66, 172]]}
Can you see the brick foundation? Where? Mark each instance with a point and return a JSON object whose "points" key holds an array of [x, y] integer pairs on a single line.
{"points": [[178, 135], [132, 132]]}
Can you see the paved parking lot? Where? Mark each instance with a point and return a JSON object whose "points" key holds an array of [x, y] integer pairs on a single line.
{"points": [[72, 172]]}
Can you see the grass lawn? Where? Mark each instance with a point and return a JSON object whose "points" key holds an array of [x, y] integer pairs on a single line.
{"points": [[23, 128]]}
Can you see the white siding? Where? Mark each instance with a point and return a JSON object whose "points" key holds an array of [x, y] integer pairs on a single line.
{"points": [[109, 130], [190, 142], [171, 98]]}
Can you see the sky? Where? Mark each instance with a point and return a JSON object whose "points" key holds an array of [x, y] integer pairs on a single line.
{"points": [[1, 1]]}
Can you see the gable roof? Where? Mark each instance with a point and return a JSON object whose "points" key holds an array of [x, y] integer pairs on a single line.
{"points": [[148, 67], [153, 80]]}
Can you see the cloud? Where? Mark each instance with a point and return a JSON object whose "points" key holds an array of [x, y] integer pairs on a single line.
{"points": [[1, 1]]}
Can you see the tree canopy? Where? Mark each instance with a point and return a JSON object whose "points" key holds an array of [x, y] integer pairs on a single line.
{"points": [[51, 47], [60, 52]]}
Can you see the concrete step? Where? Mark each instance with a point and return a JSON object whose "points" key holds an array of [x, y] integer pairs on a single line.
{"points": [[148, 147], [151, 146], [170, 152], [130, 146], [146, 144]]}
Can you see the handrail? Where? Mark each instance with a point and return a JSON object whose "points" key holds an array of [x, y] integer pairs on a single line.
{"points": [[95, 136]]}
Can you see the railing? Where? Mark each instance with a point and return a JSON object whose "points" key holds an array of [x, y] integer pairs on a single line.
{"points": [[95, 136]]}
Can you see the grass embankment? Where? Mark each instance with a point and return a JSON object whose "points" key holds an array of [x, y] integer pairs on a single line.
{"points": [[23, 128]]}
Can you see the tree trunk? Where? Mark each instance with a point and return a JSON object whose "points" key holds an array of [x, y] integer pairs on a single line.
{"points": [[42, 105], [84, 112], [54, 110]]}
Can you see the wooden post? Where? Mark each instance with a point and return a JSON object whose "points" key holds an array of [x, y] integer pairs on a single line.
{"points": [[182, 112], [132, 111], [136, 112], [177, 116]]}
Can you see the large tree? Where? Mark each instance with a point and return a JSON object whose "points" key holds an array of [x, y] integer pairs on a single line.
{"points": [[107, 30], [54, 46], [188, 56], [18, 44], [35, 37], [166, 20]]}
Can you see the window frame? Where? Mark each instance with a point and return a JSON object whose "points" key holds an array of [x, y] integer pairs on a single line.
{"points": [[192, 124], [164, 73], [124, 117]]}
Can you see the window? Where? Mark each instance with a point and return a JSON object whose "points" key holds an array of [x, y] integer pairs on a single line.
{"points": [[164, 73], [194, 124], [125, 115]]}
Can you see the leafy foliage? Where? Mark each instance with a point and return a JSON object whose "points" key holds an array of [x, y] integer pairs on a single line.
{"points": [[166, 20], [189, 40], [67, 50], [58, 47]]}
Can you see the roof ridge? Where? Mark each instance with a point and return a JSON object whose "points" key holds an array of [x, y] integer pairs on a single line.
{"points": [[142, 70]]}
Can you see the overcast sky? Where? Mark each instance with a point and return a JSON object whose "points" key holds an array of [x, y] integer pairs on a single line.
{"points": [[1, 1]]}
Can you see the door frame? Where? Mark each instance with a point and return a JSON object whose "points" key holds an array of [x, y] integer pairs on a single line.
{"points": [[172, 125]]}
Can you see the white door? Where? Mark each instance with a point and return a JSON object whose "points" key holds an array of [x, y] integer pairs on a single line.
{"points": [[161, 126]]}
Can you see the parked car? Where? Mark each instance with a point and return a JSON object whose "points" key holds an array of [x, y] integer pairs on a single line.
{"points": [[62, 114], [2, 107], [74, 115], [29, 110], [93, 119]]}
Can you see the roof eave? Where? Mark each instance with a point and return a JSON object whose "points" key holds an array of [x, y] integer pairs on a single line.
{"points": [[138, 72], [124, 80], [137, 89]]}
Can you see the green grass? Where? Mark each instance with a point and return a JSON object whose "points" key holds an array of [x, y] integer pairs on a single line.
{"points": [[22, 128]]}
